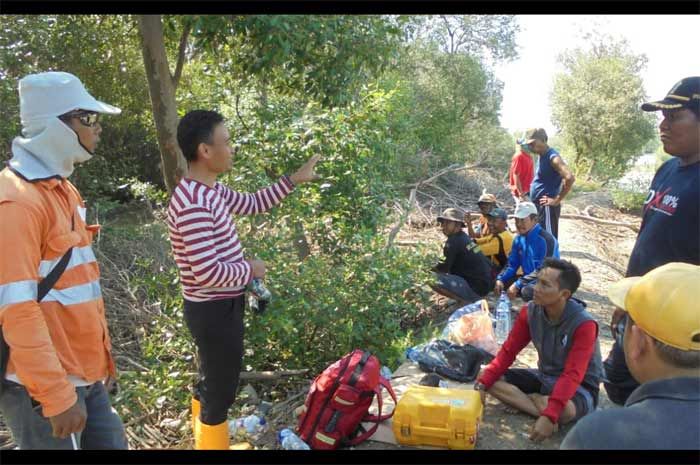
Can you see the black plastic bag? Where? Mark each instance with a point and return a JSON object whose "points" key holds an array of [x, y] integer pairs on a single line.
{"points": [[457, 362]]}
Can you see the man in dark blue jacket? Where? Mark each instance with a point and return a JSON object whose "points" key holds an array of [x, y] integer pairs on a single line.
{"points": [[671, 223], [530, 247]]}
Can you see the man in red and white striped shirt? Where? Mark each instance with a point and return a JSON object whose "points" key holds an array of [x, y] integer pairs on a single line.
{"points": [[213, 269]]}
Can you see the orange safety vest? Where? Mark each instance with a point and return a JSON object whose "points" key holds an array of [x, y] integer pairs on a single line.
{"points": [[65, 337]]}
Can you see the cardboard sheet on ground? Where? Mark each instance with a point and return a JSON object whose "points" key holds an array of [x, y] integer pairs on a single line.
{"points": [[406, 375]]}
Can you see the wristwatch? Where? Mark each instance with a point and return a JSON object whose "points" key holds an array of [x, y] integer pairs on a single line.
{"points": [[478, 386]]}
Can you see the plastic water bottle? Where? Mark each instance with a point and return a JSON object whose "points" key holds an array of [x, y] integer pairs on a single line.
{"points": [[502, 318], [291, 441], [385, 372], [260, 295], [251, 426]]}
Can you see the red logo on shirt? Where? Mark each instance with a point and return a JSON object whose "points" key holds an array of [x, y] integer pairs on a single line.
{"points": [[662, 202]]}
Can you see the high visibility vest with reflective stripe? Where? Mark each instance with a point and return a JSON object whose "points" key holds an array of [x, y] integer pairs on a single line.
{"points": [[73, 309]]}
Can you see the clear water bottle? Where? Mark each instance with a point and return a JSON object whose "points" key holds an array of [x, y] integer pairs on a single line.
{"points": [[502, 318], [291, 441], [385, 372], [260, 295], [251, 427]]}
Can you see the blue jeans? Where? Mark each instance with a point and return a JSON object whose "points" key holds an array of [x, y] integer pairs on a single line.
{"points": [[31, 430]]}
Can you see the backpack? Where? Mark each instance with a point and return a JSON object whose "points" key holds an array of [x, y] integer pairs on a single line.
{"points": [[339, 400]]}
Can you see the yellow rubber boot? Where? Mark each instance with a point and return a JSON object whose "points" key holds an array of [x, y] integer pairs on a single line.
{"points": [[196, 407], [211, 437]]}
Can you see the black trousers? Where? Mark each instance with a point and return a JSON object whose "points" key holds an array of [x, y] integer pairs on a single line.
{"points": [[618, 381], [217, 329], [548, 218]]}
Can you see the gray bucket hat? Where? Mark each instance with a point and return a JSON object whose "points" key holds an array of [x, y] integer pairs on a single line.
{"points": [[452, 214]]}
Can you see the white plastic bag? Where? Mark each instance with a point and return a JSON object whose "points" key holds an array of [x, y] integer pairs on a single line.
{"points": [[472, 324]]}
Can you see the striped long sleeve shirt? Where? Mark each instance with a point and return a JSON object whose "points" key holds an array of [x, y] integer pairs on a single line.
{"points": [[204, 240]]}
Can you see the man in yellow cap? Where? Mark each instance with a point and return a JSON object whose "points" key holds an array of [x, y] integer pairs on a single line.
{"points": [[660, 333]]}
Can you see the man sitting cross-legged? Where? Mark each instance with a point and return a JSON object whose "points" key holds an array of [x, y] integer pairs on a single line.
{"points": [[564, 386]]}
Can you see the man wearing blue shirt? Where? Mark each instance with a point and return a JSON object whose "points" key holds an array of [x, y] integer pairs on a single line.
{"points": [[553, 180], [530, 247]]}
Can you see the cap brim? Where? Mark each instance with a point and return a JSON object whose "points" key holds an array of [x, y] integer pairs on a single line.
{"points": [[100, 107], [530, 141], [617, 293], [443, 218], [665, 104]]}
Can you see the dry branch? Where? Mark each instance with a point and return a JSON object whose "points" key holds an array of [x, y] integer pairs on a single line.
{"points": [[271, 375], [395, 230], [634, 227]]}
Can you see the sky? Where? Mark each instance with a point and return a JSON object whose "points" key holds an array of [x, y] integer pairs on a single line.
{"points": [[670, 43]]}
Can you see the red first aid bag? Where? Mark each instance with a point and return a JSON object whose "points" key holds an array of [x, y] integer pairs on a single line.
{"points": [[339, 400]]}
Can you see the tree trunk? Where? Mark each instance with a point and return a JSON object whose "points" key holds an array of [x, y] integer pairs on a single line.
{"points": [[161, 87]]}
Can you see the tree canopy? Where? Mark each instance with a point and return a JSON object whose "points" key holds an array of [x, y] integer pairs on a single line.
{"points": [[595, 103]]}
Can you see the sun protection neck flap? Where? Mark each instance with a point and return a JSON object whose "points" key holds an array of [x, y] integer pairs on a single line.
{"points": [[51, 152]]}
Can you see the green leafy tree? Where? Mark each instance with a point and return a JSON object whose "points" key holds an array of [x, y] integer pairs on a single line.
{"points": [[480, 36], [323, 57], [595, 103]]}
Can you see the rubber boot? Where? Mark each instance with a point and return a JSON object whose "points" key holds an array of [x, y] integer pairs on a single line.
{"points": [[211, 437], [196, 407]]}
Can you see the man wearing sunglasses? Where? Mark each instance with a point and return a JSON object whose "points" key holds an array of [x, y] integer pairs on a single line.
{"points": [[660, 333], [57, 366], [671, 223]]}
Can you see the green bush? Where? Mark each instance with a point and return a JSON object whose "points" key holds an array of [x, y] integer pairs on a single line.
{"points": [[627, 200], [324, 307]]}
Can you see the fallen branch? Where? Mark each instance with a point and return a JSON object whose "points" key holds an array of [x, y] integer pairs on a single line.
{"points": [[395, 230], [450, 169], [131, 362], [408, 243], [634, 227], [266, 375], [270, 375]]}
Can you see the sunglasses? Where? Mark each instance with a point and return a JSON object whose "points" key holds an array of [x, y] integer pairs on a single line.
{"points": [[620, 330], [89, 119]]}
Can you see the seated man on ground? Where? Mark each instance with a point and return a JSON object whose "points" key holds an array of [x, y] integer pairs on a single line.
{"points": [[486, 203], [530, 247], [565, 385], [499, 242], [660, 334], [465, 274]]}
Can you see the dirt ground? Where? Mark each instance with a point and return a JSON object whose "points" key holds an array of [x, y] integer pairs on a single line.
{"points": [[601, 253]]}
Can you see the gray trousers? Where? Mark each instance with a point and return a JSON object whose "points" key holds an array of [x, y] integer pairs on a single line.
{"points": [[31, 430]]}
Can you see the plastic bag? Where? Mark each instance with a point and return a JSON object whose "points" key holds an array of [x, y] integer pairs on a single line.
{"points": [[458, 362], [472, 324]]}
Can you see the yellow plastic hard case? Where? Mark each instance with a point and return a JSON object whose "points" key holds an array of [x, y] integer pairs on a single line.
{"points": [[432, 416]]}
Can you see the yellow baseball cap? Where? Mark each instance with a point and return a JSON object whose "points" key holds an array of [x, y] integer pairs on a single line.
{"points": [[665, 303]]}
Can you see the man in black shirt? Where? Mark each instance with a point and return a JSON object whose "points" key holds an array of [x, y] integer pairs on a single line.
{"points": [[465, 274], [670, 230]]}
